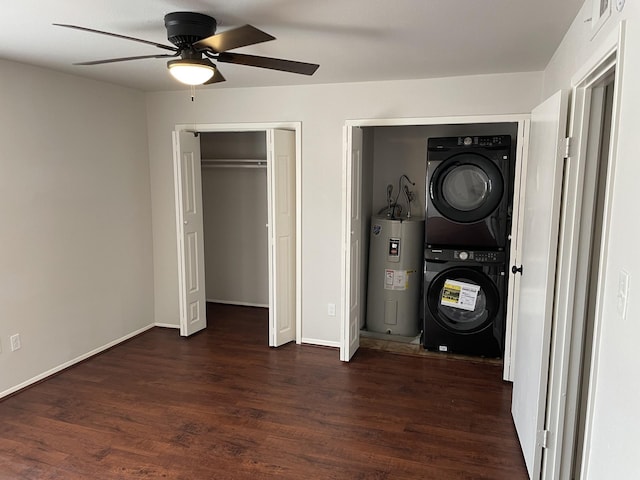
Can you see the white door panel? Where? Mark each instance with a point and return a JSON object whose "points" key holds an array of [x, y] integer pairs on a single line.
{"points": [[353, 187], [281, 178], [192, 294], [539, 249]]}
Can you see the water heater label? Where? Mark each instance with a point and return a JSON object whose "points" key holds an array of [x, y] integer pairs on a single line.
{"points": [[459, 295], [396, 279], [376, 229]]}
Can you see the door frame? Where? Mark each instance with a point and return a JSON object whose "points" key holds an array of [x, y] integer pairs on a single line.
{"points": [[253, 127], [567, 342], [516, 242]]}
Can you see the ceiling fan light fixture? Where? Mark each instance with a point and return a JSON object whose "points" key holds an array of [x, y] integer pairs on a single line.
{"points": [[193, 37], [191, 72]]}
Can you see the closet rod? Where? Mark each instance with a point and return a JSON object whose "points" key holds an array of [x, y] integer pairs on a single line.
{"points": [[233, 163], [230, 165]]}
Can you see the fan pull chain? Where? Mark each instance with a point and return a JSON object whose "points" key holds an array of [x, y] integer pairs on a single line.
{"points": [[193, 96]]}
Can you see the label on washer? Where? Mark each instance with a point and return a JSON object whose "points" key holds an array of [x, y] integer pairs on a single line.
{"points": [[459, 295], [396, 279]]}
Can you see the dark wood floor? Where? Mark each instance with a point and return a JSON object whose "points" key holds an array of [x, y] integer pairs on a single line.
{"points": [[222, 405]]}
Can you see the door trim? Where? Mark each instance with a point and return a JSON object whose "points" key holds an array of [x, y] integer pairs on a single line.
{"points": [[568, 330], [252, 127]]}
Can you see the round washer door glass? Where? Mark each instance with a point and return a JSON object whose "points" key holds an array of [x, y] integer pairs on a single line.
{"points": [[459, 320], [466, 188]]}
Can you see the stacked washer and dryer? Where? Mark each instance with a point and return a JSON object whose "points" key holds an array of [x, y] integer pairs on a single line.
{"points": [[468, 217]]}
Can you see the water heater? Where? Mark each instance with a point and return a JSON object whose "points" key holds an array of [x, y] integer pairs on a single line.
{"points": [[396, 253]]}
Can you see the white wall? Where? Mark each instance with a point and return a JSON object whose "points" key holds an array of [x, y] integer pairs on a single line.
{"points": [[614, 444], [399, 151], [76, 269], [323, 110]]}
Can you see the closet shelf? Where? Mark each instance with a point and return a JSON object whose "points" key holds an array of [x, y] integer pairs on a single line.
{"points": [[233, 163]]}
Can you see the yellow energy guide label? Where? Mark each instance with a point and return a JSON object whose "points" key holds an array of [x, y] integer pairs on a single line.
{"points": [[460, 295]]}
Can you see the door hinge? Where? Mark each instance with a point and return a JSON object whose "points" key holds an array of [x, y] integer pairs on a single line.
{"points": [[543, 438], [567, 147]]}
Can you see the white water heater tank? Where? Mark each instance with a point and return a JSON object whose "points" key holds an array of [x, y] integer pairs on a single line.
{"points": [[396, 253]]}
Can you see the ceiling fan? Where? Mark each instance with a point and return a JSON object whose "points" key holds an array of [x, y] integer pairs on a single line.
{"points": [[196, 44]]}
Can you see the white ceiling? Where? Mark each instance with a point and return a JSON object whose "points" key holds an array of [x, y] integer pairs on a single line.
{"points": [[352, 40]]}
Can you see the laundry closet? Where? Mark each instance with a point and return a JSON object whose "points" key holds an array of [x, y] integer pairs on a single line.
{"points": [[234, 205], [416, 255]]}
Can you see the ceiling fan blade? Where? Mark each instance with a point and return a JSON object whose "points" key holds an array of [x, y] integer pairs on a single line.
{"points": [[234, 38], [125, 59], [217, 77], [125, 37], [267, 62]]}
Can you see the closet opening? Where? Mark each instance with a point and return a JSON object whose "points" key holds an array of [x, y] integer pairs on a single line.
{"points": [[392, 214], [238, 207], [234, 208]]}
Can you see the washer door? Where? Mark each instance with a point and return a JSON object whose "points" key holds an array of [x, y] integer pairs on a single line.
{"points": [[458, 320], [466, 188]]}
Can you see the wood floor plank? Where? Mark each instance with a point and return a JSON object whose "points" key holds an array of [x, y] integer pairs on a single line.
{"points": [[222, 404]]}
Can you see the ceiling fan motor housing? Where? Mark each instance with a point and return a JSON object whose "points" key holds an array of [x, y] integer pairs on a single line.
{"points": [[186, 28]]}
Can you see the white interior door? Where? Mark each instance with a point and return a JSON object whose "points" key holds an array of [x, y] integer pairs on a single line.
{"points": [[281, 192], [539, 249], [192, 293], [353, 227]]}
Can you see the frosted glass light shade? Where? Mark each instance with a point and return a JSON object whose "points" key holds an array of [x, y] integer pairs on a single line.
{"points": [[191, 72]]}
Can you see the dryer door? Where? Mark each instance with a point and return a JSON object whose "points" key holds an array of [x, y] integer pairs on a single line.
{"points": [[463, 300], [466, 188]]}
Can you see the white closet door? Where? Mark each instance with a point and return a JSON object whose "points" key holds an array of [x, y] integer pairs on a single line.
{"points": [[192, 293], [353, 190], [539, 248], [281, 178]]}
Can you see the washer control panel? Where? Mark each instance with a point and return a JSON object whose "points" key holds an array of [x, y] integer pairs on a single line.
{"points": [[488, 256], [475, 256]]}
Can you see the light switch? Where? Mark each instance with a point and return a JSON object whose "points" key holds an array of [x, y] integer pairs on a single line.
{"points": [[623, 293]]}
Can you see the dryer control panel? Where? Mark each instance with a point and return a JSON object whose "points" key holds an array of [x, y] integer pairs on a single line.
{"points": [[484, 141]]}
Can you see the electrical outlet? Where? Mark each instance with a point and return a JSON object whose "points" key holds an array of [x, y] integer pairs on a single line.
{"points": [[331, 309], [15, 342]]}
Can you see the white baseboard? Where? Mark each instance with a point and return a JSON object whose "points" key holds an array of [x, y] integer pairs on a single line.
{"points": [[322, 343], [166, 325], [242, 304], [68, 364]]}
